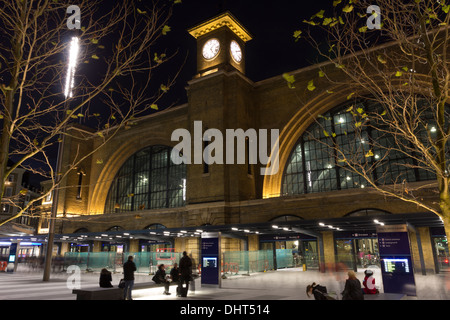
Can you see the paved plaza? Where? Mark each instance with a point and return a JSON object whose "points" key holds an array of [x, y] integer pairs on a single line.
{"points": [[283, 284]]}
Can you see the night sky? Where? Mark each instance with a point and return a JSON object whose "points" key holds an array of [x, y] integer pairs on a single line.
{"points": [[272, 51]]}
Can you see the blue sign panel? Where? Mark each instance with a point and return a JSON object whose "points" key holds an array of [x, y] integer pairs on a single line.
{"points": [[210, 247], [12, 257], [396, 261]]}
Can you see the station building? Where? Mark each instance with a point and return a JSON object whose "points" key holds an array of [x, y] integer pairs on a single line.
{"points": [[130, 197]]}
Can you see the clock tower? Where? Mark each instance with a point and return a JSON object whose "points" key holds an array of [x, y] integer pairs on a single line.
{"points": [[220, 44]]}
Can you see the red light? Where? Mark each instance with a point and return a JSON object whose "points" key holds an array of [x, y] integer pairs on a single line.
{"points": [[446, 260]]}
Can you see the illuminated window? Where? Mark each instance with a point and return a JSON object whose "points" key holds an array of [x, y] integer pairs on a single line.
{"points": [[313, 165], [148, 180]]}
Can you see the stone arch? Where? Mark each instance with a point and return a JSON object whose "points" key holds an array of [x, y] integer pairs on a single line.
{"points": [[113, 165], [297, 125]]}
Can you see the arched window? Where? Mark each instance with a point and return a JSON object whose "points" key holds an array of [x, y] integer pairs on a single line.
{"points": [[155, 226], [115, 228], [286, 218], [148, 180], [366, 213], [312, 166]]}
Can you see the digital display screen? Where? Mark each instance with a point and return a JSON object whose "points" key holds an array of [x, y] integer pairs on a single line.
{"points": [[209, 262], [12, 258], [396, 265]]}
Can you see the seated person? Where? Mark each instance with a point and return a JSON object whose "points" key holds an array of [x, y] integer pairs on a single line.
{"points": [[175, 273], [105, 279], [369, 283], [160, 278]]}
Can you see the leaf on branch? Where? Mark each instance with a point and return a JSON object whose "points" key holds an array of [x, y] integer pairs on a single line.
{"points": [[130, 195], [23, 191], [360, 110], [154, 106], [363, 29], [297, 35], [159, 59], [1, 116], [350, 96], [140, 11], [99, 161], [349, 109], [164, 88], [369, 154], [398, 74], [382, 59], [166, 29], [94, 56], [348, 8], [311, 86], [318, 14], [327, 21], [321, 74], [290, 79], [325, 133], [357, 124], [94, 41], [310, 22], [336, 2]]}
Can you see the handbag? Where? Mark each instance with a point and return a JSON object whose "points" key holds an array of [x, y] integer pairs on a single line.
{"points": [[122, 283]]}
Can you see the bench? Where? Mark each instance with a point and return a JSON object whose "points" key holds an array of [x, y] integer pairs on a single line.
{"points": [[385, 296], [114, 293]]}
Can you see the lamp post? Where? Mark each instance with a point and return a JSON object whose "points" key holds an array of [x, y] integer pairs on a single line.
{"points": [[71, 66]]}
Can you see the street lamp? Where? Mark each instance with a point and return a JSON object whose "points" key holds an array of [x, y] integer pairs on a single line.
{"points": [[71, 66]]}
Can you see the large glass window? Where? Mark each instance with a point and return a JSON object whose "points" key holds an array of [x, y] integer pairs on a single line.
{"points": [[313, 165], [148, 180]]}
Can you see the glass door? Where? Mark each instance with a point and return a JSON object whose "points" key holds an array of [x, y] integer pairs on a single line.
{"points": [[442, 254]]}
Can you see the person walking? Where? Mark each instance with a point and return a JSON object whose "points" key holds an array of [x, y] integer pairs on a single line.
{"points": [[185, 274], [352, 289], [129, 268]]}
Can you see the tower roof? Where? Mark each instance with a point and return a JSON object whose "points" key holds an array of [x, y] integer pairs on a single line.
{"points": [[222, 20]]}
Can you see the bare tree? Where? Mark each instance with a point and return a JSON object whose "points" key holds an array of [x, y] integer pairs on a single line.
{"points": [[400, 67], [111, 86]]}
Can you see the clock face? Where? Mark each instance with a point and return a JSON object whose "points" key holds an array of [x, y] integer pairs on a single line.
{"points": [[236, 51], [211, 49]]}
